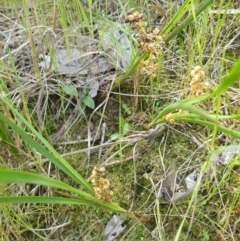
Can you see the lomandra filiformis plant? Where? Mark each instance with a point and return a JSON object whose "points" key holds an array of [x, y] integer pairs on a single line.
{"points": [[101, 184], [198, 87], [150, 41]]}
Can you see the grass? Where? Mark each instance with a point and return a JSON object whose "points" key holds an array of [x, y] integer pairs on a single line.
{"points": [[46, 192]]}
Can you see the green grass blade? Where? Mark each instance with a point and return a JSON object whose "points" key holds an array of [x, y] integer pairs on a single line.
{"points": [[62, 200], [48, 200], [12, 176], [196, 116], [55, 158], [134, 65], [184, 106], [210, 117], [87, 20], [231, 79], [221, 149], [231, 132], [186, 22], [7, 140], [178, 16]]}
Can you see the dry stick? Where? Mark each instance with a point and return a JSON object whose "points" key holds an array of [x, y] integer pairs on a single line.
{"points": [[162, 12], [92, 148], [54, 20], [105, 163], [104, 108], [105, 102], [102, 139], [39, 111], [150, 134], [108, 152], [70, 118], [117, 162], [136, 86], [35, 9], [31, 41], [135, 178]]}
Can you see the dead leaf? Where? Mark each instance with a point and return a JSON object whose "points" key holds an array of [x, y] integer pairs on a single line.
{"points": [[177, 196], [226, 156], [71, 63], [191, 180], [93, 88], [100, 65], [168, 186], [170, 190], [117, 45], [114, 227]]}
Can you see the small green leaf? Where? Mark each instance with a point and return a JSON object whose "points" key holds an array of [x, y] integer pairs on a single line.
{"points": [[126, 109], [129, 112], [121, 122], [89, 102], [70, 90], [115, 136], [126, 128], [205, 235], [124, 106]]}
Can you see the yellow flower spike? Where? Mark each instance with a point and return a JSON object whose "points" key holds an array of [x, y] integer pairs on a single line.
{"points": [[94, 172], [192, 73], [169, 118], [93, 180], [136, 14], [195, 79], [201, 74], [130, 18], [197, 69], [101, 184], [206, 85], [156, 31], [111, 193]]}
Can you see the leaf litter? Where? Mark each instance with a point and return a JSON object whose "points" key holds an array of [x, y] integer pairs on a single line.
{"points": [[83, 61]]}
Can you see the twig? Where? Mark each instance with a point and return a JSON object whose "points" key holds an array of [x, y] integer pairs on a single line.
{"points": [[135, 178], [39, 111], [102, 139]]}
